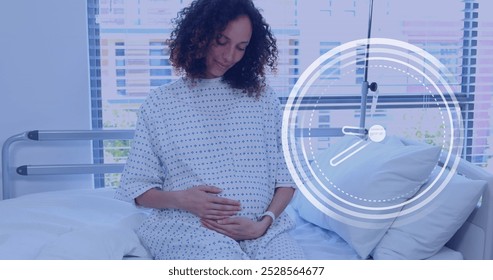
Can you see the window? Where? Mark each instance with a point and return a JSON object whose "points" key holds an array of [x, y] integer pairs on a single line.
{"points": [[129, 57], [159, 62], [161, 72]]}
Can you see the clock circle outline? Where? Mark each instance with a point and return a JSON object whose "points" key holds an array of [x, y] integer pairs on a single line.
{"points": [[433, 66]]}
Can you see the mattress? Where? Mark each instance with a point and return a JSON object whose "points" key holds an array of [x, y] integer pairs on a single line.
{"points": [[90, 224]]}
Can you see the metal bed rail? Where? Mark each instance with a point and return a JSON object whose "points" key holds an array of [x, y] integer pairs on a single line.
{"points": [[90, 168], [58, 169]]}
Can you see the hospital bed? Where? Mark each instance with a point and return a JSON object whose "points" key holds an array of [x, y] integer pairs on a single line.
{"points": [[91, 224]]}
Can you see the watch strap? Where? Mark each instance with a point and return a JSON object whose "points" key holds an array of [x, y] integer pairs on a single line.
{"points": [[270, 214]]}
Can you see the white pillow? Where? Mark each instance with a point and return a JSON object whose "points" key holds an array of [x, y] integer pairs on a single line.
{"points": [[37, 225], [95, 242], [381, 174], [434, 225]]}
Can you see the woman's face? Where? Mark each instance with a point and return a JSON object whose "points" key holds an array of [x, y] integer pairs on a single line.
{"points": [[229, 47]]}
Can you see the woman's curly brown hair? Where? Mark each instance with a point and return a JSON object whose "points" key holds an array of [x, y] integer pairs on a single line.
{"points": [[198, 25]]}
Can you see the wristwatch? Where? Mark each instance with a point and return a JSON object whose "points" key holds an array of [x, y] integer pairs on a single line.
{"points": [[270, 214]]}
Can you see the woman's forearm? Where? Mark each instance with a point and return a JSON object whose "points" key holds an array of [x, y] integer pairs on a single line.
{"points": [[155, 198], [199, 200]]}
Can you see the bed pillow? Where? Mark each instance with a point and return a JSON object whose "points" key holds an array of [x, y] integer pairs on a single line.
{"points": [[95, 242], [59, 223], [383, 173], [437, 222]]}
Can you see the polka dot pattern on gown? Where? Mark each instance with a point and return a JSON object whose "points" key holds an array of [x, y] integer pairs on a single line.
{"points": [[206, 133]]}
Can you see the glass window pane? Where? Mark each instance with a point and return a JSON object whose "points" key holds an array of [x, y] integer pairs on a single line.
{"points": [[132, 45]]}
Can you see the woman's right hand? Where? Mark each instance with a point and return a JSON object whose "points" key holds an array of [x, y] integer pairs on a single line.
{"points": [[203, 202]]}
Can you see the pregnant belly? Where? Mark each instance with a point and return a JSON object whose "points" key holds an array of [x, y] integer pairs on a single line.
{"points": [[254, 198]]}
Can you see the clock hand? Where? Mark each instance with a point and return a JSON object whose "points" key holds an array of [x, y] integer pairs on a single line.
{"points": [[354, 130], [376, 133], [348, 152]]}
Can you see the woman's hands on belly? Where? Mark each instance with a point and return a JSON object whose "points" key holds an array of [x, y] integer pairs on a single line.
{"points": [[203, 202], [238, 228]]}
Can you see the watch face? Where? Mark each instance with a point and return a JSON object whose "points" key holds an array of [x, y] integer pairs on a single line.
{"points": [[385, 164]]}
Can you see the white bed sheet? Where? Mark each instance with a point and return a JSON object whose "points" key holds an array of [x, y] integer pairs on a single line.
{"points": [[319, 243], [322, 244]]}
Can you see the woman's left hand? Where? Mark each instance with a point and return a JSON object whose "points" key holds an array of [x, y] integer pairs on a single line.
{"points": [[238, 228]]}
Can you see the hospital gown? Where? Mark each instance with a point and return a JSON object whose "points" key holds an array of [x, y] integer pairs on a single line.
{"points": [[206, 133]]}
